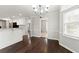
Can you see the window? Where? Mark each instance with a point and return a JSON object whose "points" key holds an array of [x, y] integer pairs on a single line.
{"points": [[71, 23]]}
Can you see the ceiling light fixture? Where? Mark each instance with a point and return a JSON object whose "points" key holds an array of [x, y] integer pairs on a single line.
{"points": [[40, 9]]}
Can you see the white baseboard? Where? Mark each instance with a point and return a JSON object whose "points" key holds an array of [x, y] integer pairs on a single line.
{"points": [[67, 48], [35, 36], [53, 38]]}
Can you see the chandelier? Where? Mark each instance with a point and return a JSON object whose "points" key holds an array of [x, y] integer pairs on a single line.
{"points": [[40, 9]]}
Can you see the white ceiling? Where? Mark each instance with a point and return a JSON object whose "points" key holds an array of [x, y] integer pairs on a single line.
{"points": [[20, 10], [54, 8], [15, 10]]}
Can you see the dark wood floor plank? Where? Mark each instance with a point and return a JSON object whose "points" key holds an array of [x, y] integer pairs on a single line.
{"points": [[38, 45]]}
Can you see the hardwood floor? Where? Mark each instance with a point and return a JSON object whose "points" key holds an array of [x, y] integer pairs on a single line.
{"points": [[54, 47], [38, 45]]}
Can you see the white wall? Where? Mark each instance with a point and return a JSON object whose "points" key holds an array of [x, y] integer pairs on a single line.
{"points": [[68, 42], [36, 26], [53, 24], [9, 37]]}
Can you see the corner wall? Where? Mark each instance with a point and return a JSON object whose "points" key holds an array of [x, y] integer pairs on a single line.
{"points": [[67, 42], [53, 25]]}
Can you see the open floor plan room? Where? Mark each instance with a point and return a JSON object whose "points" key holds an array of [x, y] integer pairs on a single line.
{"points": [[39, 28]]}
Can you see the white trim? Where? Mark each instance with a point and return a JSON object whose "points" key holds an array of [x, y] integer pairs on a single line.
{"points": [[67, 48], [63, 13], [35, 36], [53, 38], [70, 36]]}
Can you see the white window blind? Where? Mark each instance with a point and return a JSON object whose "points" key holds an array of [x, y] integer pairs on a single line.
{"points": [[71, 23]]}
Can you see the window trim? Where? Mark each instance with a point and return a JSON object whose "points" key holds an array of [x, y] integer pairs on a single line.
{"points": [[65, 34], [70, 36]]}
